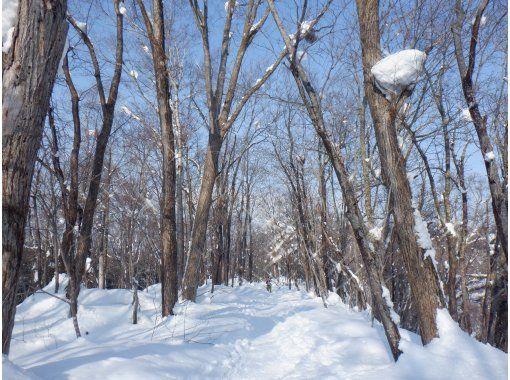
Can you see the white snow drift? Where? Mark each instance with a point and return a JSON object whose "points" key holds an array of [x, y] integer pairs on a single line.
{"points": [[234, 333]]}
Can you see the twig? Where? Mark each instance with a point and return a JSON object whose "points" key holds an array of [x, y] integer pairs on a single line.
{"points": [[53, 295]]}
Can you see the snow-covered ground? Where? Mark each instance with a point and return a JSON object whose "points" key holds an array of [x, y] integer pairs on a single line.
{"points": [[235, 333]]}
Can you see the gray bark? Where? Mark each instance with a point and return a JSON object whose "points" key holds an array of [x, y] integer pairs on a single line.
{"points": [[29, 68]]}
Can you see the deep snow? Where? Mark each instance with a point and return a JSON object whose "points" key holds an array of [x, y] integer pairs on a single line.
{"points": [[235, 333]]}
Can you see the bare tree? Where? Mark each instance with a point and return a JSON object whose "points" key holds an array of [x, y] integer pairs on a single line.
{"points": [[29, 67], [222, 114], [156, 32], [313, 106], [78, 218], [421, 273], [496, 186]]}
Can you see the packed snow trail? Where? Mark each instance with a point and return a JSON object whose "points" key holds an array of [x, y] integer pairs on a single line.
{"points": [[235, 333]]}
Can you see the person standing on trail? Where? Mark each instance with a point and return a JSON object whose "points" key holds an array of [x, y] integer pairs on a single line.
{"points": [[268, 285]]}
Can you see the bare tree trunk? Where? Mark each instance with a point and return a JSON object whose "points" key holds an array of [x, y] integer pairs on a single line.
{"points": [[250, 247], [179, 205], [28, 71], [103, 243], [156, 31], [56, 248], [134, 316], [492, 248], [423, 279], [451, 284], [198, 236], [40, 253], [228, 228], [324, 221], [70, 206], [496, 187], [498, 312], [75, 262], [465, 319], [365, 163]]}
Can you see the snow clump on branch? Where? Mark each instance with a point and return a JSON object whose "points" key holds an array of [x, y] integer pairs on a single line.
{"points": [[399, 71]]}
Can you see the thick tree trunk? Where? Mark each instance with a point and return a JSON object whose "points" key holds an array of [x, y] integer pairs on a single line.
{"points": [[498, 318], [28, 70], [423, 279]]}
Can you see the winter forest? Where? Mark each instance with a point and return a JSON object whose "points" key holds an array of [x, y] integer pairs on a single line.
{"points": [[254, 189]]}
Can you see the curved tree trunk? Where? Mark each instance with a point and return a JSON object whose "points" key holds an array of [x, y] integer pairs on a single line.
{"points": [[496, 186]]}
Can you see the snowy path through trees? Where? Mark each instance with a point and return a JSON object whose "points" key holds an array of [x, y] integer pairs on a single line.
{"points": [[235, 333]]}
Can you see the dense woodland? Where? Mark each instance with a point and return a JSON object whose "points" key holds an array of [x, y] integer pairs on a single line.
{"points": [[190, 142]]}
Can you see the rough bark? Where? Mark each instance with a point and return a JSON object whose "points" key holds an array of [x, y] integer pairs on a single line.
{"points": [[195, 257], [29, 68], [156, 31], [421, 274]]}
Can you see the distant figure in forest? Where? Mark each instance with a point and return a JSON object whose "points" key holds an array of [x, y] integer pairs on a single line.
{"points": [[268, 284]]}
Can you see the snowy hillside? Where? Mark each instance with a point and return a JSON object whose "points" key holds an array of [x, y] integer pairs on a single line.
{"points": [[235, 333]]}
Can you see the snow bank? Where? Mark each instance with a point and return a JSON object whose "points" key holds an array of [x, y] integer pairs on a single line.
{"points": [[455, 355], [396, 72], [10, 371], [234, 333]]}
